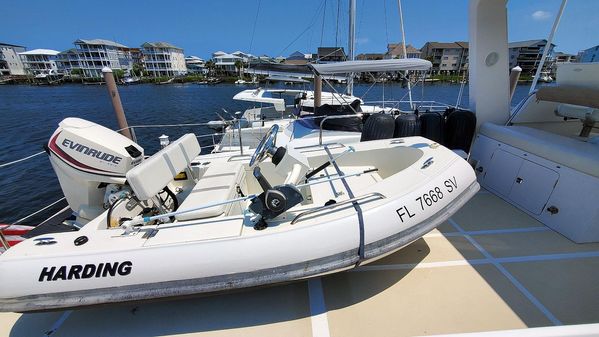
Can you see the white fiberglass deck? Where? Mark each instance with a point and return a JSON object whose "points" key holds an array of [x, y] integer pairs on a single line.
{"points": [[491, 267]]}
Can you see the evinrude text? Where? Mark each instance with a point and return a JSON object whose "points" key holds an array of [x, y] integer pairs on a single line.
{"points": [[88, 151]]}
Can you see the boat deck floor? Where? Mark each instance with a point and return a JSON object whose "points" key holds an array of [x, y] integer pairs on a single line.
{"points": [[490, 267]]}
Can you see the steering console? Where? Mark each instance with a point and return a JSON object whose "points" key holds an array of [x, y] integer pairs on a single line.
{"points": [[267, 146], [274, 200]]}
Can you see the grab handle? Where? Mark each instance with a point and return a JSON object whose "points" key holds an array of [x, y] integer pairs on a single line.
{"points": [[331, 206]]}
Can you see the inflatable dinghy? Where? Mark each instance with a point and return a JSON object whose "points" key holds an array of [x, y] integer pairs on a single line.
{"points": [[178, 223]]}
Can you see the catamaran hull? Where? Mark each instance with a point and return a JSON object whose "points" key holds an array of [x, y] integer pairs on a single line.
{"points": [[199, 267]]}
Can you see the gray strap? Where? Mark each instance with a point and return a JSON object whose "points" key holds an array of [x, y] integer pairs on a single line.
{"points": [[355, 204]]}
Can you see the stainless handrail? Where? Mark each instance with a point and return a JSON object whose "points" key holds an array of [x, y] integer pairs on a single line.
{"points": [[344, 202], [518, 108], [333, 117]]}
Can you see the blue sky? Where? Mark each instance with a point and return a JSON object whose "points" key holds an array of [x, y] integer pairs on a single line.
{"points": [[202, 27]]}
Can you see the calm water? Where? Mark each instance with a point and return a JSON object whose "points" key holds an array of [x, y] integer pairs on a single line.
{"points": [[31, 114]]}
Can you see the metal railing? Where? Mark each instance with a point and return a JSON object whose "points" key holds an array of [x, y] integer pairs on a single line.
{"points": [[337, 204], [333, 117], [3, 242], [433, 106], [233, 130]]}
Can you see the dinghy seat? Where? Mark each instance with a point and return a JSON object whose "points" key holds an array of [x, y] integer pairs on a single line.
{"points": [[153, 174], [219, 183]]}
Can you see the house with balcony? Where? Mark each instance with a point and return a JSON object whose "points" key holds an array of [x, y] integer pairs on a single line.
{"points": [[226, 63], [297, 58], [40, 62], [395, 51], [196, 65], [67, 61], [163, 59], [96, 54], [10, 61], [245, 57], [331, 54], [370, 56], [528, 54], [218, 53], [449, 58]]}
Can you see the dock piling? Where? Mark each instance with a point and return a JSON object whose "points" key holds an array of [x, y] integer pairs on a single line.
{"points": [[116, 102]]}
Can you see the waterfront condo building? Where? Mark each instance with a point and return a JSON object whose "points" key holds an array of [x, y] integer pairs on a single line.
{"points": [[10, 62], [137, 59], [40, 62], [68, 60], [589, 55], [527, 55], [446, 57], [163, 59], [98, 53], [561, 57], [395, 51]]}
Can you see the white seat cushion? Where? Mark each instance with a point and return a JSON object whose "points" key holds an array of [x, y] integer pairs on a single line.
{"points": [[218, 184], [576, 154], [154, 173]]}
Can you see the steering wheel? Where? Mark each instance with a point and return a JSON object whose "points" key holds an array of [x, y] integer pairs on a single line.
{"points": [[267, 145]]}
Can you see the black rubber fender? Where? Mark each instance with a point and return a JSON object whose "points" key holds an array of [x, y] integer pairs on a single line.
{"points": [[407, 125], [432, 126], [378, 126], [460, 126]]}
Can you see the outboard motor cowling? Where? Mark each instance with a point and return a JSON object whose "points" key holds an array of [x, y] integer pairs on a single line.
{"points": [[86, 158]]}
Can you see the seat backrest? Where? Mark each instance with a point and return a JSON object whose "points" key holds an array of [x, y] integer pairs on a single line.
{"points": [[154, 173]]}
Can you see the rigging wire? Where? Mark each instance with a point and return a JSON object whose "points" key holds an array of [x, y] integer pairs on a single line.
{"points": [[310, 25], [254, 28], [324, 13], [337, 24], [313, 23], [385, 15]]}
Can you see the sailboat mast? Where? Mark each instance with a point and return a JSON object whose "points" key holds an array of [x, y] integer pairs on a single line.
{"points": [[351, 43]]}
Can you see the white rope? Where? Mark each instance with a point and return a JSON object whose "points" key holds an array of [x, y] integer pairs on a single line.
{"points": [[38, 211], [22, 159]]}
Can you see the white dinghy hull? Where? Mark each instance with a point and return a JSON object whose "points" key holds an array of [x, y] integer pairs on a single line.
{"points": [[223, 253]]}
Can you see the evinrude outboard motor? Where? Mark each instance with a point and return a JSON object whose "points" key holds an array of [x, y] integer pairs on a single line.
{"points": [[91, 162]]}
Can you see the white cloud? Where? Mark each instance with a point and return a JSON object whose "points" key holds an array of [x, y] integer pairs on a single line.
{"points": [[541, 15], [362, 40]]}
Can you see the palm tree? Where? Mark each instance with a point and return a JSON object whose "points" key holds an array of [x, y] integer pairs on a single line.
{"points": [[239, 67], [210, 66]]}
